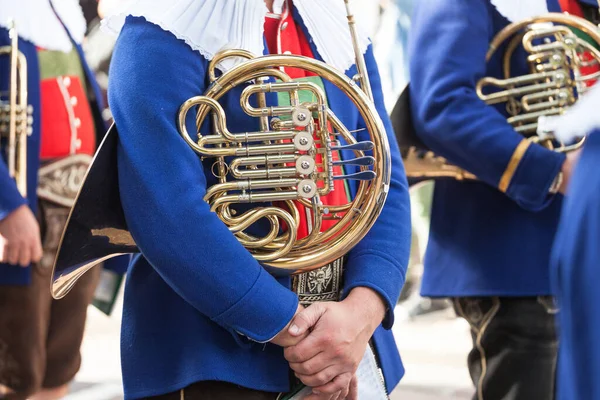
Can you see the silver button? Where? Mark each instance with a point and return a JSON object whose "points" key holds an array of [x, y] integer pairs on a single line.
{"points": [[284, 25], [67, 81], [78, 144], [74, 101], [77, 123]]}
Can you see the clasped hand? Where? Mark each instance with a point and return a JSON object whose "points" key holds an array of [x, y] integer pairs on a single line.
{"points": [[325, 342]]}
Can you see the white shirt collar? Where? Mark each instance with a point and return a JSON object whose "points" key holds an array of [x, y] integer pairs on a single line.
{"points": [[36, 22], [518, 10], [208, 26]]}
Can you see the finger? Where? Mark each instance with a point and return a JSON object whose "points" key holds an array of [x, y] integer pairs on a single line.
{"points": [[3, 250], [344, 393], [353, 389], [24, 256], [303, 351], [339, 383], [323, 378], [306, 319], [335, 396], [37, 251], [319, 396], [312, 366], [12, 255]]}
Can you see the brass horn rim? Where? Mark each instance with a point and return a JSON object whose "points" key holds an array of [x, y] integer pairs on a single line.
{"points": [[346, 240], [559, 18]]}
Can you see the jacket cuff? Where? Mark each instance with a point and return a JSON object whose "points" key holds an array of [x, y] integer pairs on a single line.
{"points": [[376, 271], [10, 198], [535, 171], [263, 312]]}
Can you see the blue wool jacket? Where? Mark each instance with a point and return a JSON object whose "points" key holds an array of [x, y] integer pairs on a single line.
{"points": [[482, 242], [195, 295], [575, 278], [10, 198]]}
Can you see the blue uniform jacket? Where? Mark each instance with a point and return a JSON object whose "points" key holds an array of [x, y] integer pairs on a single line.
{"points": [[575, 277], [10, 198], [195, 295], [482, 242]]}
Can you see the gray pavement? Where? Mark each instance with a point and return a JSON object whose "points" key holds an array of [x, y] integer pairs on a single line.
{"points": [[434, 350]]}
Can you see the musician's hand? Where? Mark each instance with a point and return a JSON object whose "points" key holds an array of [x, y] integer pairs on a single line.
{"points": [[567, 169], [284, 338], [327, 359], [350, 392], [20, 242]]}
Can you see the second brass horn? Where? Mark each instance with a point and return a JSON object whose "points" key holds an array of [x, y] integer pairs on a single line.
{"points": [[557, 59], [15, 113], [282, 169]]}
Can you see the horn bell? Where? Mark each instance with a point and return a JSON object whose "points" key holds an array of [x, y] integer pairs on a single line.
{"points": [[420, 162], [96, 229]]}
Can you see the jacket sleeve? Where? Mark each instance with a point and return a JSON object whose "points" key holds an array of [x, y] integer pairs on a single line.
{"points": [[447, 50], [162, 185], [10, 198], [380, 260]]}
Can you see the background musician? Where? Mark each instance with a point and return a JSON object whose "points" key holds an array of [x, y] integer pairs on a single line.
{"points": [[196, 301], [490, 239], [39, 337], [575, 259]]}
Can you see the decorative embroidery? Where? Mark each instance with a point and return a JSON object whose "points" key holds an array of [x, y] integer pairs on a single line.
{"points": [[322, 284], [59, 182]]}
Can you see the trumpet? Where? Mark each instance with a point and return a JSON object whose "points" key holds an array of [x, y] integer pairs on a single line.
{"points": [[15, 114]]}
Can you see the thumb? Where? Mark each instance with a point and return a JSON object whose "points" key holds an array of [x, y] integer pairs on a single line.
{"points": [[306, 319]]}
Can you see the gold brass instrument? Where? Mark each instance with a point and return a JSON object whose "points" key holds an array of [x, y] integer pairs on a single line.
{"points": [[283, 169], [556, 79], [15, 113]]}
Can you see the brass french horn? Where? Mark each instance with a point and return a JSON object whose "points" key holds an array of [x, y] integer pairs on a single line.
{"points": [[15, 113], [283, 169], [555, 81]]}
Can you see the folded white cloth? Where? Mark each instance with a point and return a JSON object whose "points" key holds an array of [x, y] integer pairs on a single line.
{"points": [[518, 10], [579, 120], [209, 26], [36, 22]]}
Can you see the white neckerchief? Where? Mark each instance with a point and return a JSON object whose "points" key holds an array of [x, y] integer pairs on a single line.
{"points": [[208, 26], [518, 10], [579, 120], [36, 22]]}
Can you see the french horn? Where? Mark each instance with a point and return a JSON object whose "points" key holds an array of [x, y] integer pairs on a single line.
{"points": [[15, 113], [561, 69], [283, 169]]}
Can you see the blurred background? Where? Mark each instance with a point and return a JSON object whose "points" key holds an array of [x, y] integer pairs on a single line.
{"points": [[432, 341]]}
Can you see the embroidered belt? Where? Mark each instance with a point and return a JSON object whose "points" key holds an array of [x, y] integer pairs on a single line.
{"points": [[322, 284], [59, 181]]}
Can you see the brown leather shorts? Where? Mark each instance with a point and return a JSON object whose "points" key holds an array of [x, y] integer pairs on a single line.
{"points": [[214, 390], [40, 337]]}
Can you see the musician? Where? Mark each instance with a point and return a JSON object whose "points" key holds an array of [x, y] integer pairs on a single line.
{"points": [[202, 318], [575, 259], [490, 239], [40, 338]]}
